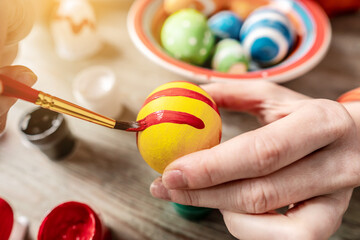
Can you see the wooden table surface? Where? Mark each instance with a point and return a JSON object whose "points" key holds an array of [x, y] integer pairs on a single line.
{"points": [[106, 171]]}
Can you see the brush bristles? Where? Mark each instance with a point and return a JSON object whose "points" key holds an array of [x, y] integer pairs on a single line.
{"points": [[129, 126]]}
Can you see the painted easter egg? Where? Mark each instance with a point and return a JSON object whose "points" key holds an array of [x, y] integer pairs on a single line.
{"points": [[267, 36], [207, 7], [181, 118], [74, 30], [187, 37], [225, 24], [230, 57], [244, 7]]}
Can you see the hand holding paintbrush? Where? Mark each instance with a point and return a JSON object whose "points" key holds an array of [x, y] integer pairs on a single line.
{"points": [[15, 89]]}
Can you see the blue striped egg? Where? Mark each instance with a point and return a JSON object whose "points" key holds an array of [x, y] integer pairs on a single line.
{"points": [[225, 24], [267, 36]]}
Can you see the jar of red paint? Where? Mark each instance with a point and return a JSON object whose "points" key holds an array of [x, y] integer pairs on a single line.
{"points": [[6, 219], [73, 220]]}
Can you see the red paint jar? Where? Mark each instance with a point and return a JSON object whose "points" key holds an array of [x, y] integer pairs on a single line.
{"points": [[73, 221], [335, 7], [6, 219]]}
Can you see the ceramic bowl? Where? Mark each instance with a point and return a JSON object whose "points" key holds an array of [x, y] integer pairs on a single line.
{"points": [[312, 26]]}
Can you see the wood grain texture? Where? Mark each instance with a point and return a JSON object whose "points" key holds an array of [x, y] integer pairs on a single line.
{"points": [[106, 171]]}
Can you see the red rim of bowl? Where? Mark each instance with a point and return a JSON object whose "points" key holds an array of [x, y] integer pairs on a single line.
{"points": [[280, 73]]}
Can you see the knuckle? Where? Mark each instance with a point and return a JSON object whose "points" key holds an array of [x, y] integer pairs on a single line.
{"points": [[340, 126], [334, 115], [258, 198], [208, 174], [210, 171], [190, 198], [267, 153], [351, 171]]}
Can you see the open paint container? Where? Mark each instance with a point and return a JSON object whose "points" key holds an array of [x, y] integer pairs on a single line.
{"points": [[49, 132], [11, 228], [73, 220], [7, 219]]}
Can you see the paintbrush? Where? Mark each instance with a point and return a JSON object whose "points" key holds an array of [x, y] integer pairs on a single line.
{"points": [[15, 89]]}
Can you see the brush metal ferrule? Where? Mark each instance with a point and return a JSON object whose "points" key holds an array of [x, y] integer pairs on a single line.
{"points": [[61, 106]]}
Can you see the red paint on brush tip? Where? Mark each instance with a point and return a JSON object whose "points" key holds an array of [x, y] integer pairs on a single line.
{"points": [[181, 92], [70, 221], [167, 116], [6, 219]]}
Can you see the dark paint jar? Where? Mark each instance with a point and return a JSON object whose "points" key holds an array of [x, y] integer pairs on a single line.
{"points": [[49, 132]]}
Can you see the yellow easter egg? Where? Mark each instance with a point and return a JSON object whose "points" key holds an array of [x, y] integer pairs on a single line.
{"points": [[207, 7], [180, 118]]}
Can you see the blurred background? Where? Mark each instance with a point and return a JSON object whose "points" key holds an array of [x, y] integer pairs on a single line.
{"points": [[106, 171]]}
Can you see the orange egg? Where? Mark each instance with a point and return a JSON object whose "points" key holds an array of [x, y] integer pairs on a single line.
{"points": [[207, 7], [244, 7], [181, 118]]}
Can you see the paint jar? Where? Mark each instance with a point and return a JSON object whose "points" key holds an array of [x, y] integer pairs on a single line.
{"points": [[11, 228], [49, 132], [73, 220], [7, 219], [190, 212], [96, 88]]}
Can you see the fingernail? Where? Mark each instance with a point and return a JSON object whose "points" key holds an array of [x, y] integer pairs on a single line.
{"points": [[158, 190], [174, 179]]}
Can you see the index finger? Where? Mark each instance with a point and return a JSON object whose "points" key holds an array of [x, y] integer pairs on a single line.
{"points": [[263, 151], [249, 95]]}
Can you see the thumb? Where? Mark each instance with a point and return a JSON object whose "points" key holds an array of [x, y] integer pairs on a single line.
{"points": [[21, 74], [268, 101]]}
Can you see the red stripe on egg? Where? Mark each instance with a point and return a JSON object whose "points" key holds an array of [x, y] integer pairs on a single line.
{"points": [[167, 116], [182, 92]]}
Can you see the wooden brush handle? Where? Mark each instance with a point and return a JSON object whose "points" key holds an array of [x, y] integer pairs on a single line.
{"points": [[12, 88]]}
